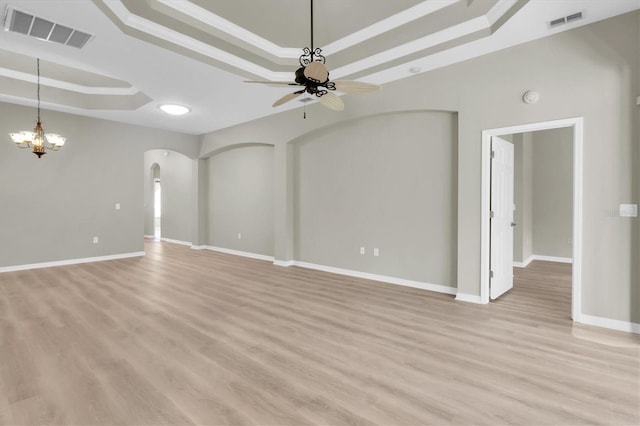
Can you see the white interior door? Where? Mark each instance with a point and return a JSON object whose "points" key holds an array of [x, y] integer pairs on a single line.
{"points": [[502, 177]]}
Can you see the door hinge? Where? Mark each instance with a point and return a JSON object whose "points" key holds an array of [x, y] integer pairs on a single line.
{"points": [[493, 154], [491, 214], [490, 274]]}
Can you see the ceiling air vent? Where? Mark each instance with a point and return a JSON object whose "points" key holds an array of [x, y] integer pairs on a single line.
{"points": [[43, 29], [557, 22], [566, 19], [574, 17]]}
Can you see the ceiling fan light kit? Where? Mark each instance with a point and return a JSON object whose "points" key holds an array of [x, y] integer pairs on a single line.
{"points": [[313, 77]]}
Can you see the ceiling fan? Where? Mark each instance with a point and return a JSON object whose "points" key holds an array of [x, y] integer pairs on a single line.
{"points": [[313, 78]]}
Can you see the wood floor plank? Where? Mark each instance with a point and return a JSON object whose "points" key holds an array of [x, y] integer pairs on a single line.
{"points": [[195, 337]]}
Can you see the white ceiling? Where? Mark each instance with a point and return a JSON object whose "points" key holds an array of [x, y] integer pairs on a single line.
{"points": [[198, 52]]}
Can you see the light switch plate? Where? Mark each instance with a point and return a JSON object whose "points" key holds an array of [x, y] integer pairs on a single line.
{"points": [[628, 210]]}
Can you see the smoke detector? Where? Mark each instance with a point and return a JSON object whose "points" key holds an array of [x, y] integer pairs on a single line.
{"points": [[531, 97]]}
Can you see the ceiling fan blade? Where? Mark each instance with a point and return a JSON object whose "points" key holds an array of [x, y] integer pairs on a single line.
{"points": [[273, 83], [332, 101], [287, 98], [347, 86]]}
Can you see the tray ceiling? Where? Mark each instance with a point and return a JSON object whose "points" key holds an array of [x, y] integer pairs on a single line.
{"points": [[144, 53]]}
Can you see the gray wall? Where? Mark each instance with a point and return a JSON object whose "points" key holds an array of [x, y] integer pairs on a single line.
{"points": [[51, 208], [176, 176], [552, 192], [543, 194], [523, 197], [241, 199], [590, 72], [387, 182]]}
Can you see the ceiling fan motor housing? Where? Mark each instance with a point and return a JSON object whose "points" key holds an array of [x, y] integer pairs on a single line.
{"points": [[316, 73]]}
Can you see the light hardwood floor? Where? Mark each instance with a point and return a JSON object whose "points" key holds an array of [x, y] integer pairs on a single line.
{"points": [[196, 337]]}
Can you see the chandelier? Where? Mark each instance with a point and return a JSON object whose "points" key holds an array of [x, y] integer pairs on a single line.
{"points": [[37, 139]]}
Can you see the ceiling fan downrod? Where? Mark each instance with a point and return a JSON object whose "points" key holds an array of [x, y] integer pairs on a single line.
{"points": [[311, 54]]}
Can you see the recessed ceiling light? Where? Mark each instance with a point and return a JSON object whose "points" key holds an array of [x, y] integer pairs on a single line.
{"points": [[174, 109]]}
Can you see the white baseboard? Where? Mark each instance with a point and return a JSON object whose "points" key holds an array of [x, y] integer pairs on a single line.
{"points": [[70, 262], [149, 237], [240, 253], [358, 274], [524, 264], [172, 241], [543, 258], [470, 298], [630, 327], [198, 247], [552, 258], [383, 278]]}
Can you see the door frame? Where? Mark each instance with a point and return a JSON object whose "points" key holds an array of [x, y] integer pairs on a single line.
{"points": [[577, 123]]}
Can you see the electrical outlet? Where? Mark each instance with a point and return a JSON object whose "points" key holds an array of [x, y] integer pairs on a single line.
{"points": [[239, 235], [95, 240], [628, 210], [376, 252], [117, 206], [361, 250]]}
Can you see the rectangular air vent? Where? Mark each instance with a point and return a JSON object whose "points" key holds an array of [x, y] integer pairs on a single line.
{"points": [[574, 17], [566, 19], [43, 29]]}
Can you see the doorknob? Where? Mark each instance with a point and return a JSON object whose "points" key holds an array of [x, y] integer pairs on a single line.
{"points": [[513, 224]]}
